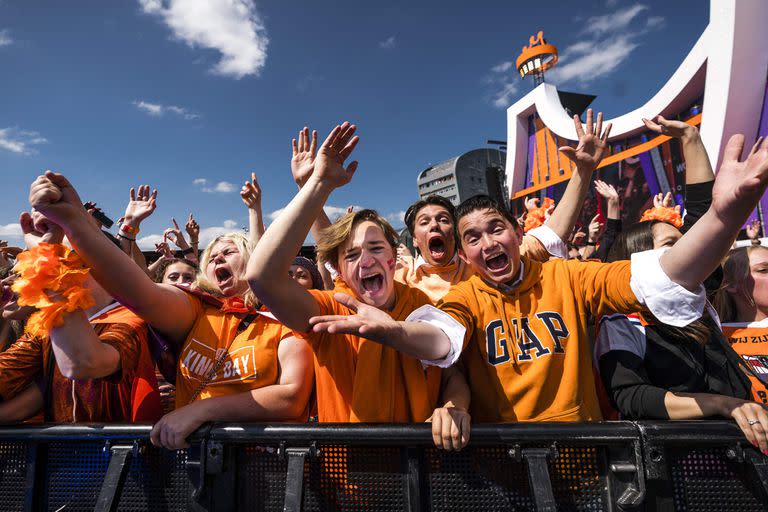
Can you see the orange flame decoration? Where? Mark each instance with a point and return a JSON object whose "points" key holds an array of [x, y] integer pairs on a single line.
{"points": [[537, 216], [664, 214], [51, 269]]}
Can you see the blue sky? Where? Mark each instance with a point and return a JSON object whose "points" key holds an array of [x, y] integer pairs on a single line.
{"points": [[171, 92]]}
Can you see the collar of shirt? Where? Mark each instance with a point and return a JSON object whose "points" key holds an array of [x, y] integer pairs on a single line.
{"points": [[420, 261]]}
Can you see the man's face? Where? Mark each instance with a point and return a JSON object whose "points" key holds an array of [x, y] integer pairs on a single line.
{"points": [[490, 246], [367, 263], [433, 234]]}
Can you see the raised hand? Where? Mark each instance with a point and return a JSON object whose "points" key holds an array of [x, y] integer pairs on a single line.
{"points": [[52, 195], [9, 250], [37, 229], [661, 200], [595, 229], [303, 159], [367, 322], [578, 238], [753, 229], [607, 191], [140, 205], [329, 164], [671, 128], [740, 184], [593, 142], [531, 203], [164, 250], [251, 193], [175, 235], [193, 229]]}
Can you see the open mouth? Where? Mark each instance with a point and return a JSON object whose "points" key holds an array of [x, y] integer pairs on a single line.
{"points": [[497, 263], [437, 248], [373, 283], [222, 275]]}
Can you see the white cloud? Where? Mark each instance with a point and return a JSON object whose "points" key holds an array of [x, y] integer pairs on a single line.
{"points": [[612, 22], [502, 67], [10, 230], [388, 42], [397, 219], [158, 109], [655, 22], [232, 27], [5, 39], [222, 187], [595, 62], [20, 141], [207, 234], [503, 97]]}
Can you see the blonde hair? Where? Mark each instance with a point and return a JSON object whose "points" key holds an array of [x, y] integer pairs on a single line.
{"points": [[243, 246], [334, 236], [736, 271]]}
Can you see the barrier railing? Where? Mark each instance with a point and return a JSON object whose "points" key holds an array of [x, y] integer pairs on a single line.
{"points": [[610, 466]]}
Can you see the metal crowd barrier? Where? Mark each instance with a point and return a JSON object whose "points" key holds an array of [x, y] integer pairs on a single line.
{"points": [[611, 466]]}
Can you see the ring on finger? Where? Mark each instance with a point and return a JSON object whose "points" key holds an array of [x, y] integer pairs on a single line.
{"points": [[753, 422]]}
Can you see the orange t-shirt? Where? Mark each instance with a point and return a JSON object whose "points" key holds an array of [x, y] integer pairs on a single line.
{"points": [[750, 341], [250, 363], [359, 380]]}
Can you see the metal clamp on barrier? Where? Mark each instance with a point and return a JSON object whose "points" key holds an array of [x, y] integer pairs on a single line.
{"points": [[538, 474], [294, 476], [114, 478]]}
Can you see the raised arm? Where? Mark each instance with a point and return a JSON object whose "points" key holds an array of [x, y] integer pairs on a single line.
{"points": [[268, 267], [166, 308], [79, 352], [737, 189], [193, 230], [176, 236], [140, 205], [251, 196], [302, 166], [586, 155], [697, 166]]}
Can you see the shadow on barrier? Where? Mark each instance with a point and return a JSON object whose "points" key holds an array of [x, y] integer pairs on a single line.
{"points": [[700, 466]]}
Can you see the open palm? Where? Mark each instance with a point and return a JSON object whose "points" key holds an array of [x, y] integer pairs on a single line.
{"points": [[739, 185], [329, 164], [303, 159], [140, 205], [593, 142]]}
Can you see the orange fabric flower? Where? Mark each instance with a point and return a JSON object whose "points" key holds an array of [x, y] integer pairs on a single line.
{"points": [[51, 279], [537, 216], [668, 215]]}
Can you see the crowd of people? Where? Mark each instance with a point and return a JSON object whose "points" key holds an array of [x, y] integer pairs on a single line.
{"points": [[492, 318]]}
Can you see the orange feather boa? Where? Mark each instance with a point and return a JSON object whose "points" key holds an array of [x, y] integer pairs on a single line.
{"points": [[51, 279], [664, 214]]}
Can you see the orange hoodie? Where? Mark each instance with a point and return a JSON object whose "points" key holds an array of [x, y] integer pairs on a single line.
{"points": [[526, 349], [750, 341], [359, 380]]}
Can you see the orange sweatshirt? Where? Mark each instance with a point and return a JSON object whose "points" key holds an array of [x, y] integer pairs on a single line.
{"points": [[359, 380], [526, 350]]}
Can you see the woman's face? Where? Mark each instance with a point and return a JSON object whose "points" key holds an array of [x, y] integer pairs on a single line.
{"points": [[226, 269], [665, 235], [757, 282], [179, 273], [301, 275]]}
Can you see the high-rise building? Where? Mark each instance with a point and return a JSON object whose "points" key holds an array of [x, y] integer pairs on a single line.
{"points": [[479, 171]]}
